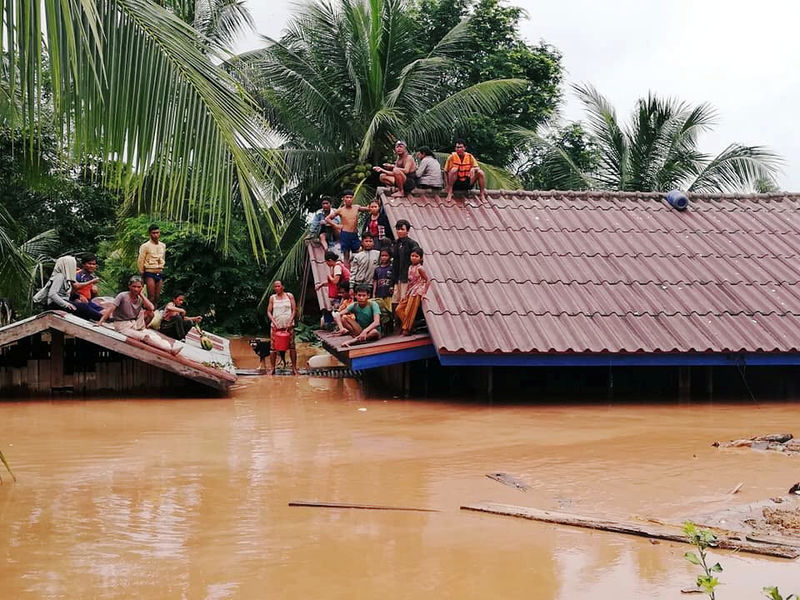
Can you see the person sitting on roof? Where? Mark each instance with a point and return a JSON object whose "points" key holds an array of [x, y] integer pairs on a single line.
{"points": [[58, 291], [429, 171], [418, 283], [319, 229], [174, 322], [367, 322], [85, 286], [462, 172], [377, 225], [401, 174], [128, 310]]}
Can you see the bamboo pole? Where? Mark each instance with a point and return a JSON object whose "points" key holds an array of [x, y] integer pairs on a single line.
{"points": [[318, 504], [649, 531]]}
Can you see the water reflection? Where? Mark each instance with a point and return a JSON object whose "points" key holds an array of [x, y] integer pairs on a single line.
{"points": [[188, 498]]}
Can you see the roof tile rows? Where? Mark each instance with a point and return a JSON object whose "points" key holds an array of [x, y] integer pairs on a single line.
{"points": [[534, 272]]}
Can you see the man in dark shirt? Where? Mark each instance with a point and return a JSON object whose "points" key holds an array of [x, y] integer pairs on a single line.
{"points": [[401, 260]]}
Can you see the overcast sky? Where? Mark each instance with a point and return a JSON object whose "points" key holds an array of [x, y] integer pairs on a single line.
{"points": [[742, 57]]}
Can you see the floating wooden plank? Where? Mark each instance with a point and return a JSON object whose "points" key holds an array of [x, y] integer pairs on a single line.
{"points": [[509, 480], [318, 504], [649, 531]]}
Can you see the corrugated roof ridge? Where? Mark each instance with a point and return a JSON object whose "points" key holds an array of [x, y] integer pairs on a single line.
{"points": [[613, 313], [584, 282], [478, 227], [611, 254], [613, 193]]}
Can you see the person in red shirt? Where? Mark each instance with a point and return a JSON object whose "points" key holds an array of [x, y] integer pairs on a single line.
{"points": [[463, 172]]}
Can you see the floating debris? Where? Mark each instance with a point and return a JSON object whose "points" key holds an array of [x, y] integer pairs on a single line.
{"points": [[509, 480], [775, 442]]}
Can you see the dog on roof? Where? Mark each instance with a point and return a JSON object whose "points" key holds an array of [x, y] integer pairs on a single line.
{"points": [[262, 349]]}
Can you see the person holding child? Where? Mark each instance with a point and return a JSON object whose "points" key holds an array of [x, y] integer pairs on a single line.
{"points": [[418, 283]]}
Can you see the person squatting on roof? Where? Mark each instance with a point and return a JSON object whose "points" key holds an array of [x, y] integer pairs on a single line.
{"points": [[462, 172], [327, 234], [152, 258], [367, 322], [401, 174], [418, 283], [282, 313], [128, 310], [429, 172], [58, 292], [174, 322]]}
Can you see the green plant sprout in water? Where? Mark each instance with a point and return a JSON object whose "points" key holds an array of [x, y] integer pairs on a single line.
{"points": [[5, 462], [707, 582], [702, 539]]}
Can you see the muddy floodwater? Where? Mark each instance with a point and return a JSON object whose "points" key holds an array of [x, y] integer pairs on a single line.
{"points": [[151, 498]]}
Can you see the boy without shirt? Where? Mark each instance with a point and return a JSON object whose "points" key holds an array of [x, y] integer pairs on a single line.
{"points": [[348, 236], [152, 255]]}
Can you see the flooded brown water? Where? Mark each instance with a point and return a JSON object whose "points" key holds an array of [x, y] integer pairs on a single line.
{"points": [[188, 498]]}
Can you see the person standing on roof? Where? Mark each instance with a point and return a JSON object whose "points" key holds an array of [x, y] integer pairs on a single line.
{"points": [[401, 174], [401, 261], [377, 225], [327, 234], [152, 258], [348, 230], [429, 171], [462, 172]]}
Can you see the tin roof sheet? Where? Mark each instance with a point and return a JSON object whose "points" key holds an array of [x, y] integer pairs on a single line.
{"points": [[555, 272]]}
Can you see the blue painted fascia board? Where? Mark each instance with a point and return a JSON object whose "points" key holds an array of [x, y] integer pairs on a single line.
{"points": [[620, 360], [392, 358]]}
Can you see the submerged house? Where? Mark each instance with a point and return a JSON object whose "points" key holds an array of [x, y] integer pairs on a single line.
{"points": [[56, 352], [602, 279]]}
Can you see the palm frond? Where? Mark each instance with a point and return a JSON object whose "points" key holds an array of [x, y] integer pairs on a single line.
{"points": [[133, 84], [736, 168]]}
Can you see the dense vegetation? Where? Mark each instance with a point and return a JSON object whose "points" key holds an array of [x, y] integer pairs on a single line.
{"points": [[147, 117]]}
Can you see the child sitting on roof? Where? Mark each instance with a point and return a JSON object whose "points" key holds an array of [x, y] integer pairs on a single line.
{"points": [[367, 322], [418, 283]]}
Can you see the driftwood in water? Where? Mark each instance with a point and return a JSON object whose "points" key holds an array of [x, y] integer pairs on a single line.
{"points": [[509, 480], [318, 504], [650, 531], [777, 442]]}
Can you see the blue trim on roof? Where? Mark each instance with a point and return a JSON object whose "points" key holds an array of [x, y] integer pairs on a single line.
{"points": [[392, 358], [620, 360]]}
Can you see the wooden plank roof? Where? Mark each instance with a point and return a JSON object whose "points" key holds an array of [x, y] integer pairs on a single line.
{"points": [[214, 369]]}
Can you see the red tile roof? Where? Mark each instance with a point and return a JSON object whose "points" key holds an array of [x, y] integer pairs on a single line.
{"points": [[574, 272]]}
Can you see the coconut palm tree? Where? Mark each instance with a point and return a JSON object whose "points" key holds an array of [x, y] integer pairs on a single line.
{"points": [[657, 151], [129, 83], [345, 81]]}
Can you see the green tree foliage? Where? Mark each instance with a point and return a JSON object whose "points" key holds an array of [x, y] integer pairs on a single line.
{"points": [[494, 49], [128, 82], [657, 150], [39, 195], [541, 169], [347, 79], [225, 287]]}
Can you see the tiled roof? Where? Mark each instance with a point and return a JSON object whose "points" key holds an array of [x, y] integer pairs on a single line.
{"points": [[567, 272]]}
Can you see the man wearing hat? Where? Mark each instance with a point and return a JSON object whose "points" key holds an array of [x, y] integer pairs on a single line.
{"points": [[402, 174]]}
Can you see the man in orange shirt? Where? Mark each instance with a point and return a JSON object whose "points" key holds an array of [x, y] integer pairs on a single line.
{"points": [[463, 172]]}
